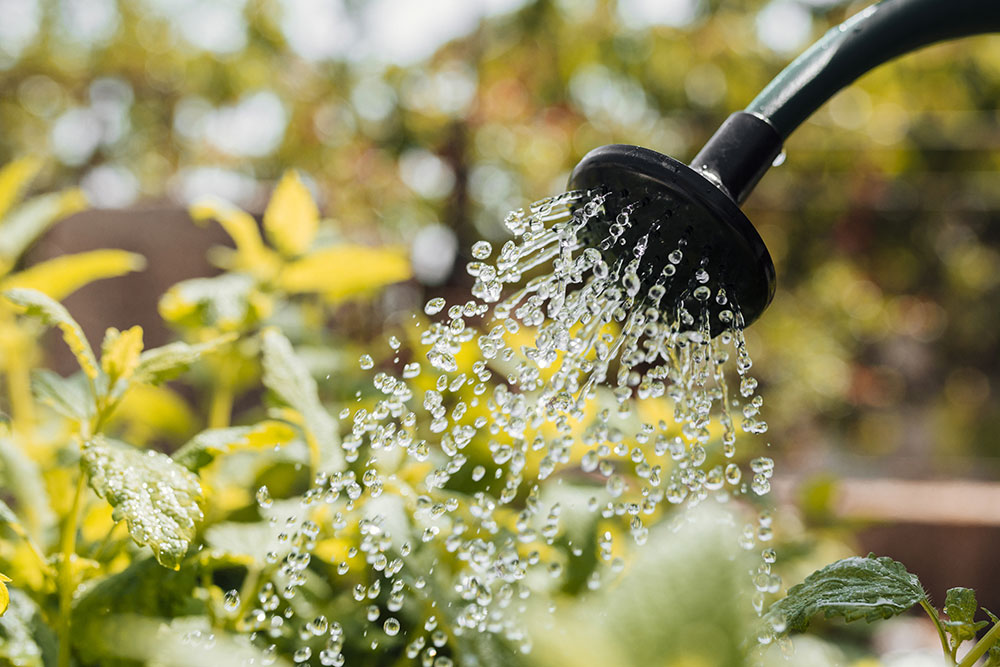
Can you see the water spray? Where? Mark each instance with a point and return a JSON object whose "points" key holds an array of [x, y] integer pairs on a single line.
{"points": [[699, 204]]}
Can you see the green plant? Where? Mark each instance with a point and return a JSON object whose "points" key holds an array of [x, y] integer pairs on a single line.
{"points": [[873, 588]]}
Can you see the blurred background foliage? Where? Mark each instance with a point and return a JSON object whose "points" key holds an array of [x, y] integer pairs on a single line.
{"points": [[422, 124]]}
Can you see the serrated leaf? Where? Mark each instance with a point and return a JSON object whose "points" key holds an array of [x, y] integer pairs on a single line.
{"points": [[162, 363], [343, 271], [252, 255], [159, 499], [291, 218], [960, 605], [26, 223], [61, 276], [853, 588], [289, 379], [120, 353], [14, 179], [203, 448], [70, 396], [52, 313]]}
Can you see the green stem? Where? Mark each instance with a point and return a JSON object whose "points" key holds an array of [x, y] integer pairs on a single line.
{"points": [[67, 581], [932, 612], [981, 647], [221, 410]]}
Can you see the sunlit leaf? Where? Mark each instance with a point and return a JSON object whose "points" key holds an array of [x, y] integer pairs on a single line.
{"points": [[203, 448], [4, 594], [289, 379], [162, 363], [248, 542], [70, 396], [345, 270], [853, 588], [120, 353], [61, 276], [160, 500], [14, 179], [252, 255], [291, 218], [226, 302], [52, 313], [26, 223]]}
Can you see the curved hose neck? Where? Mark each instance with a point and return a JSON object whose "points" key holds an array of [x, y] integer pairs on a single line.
{"points": [[742, 150]]}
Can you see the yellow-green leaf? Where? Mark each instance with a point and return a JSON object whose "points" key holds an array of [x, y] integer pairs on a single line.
{"points": [[61, 276], [26, 223], [251, 253], [203, 448], [291, 218], [52, 313], [345, 270], [163, 363], [120, 353], [288, 377], [160, 500], [4, 594], [14, 179]]}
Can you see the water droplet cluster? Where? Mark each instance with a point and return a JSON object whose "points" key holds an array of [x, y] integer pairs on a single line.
{"points": [[567, 384]]}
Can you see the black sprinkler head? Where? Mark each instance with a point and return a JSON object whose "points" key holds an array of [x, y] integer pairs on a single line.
{"points": [[692, 209]]}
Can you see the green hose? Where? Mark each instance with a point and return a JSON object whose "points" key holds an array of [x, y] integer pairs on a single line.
{"points": [[874, 36]]}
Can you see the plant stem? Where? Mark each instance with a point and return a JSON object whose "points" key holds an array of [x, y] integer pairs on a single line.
{"points": [[221, 410], [67, 581], [932, 612], [982, 646]]}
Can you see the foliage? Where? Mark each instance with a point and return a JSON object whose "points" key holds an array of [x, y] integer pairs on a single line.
{"points": [[876, 588]]}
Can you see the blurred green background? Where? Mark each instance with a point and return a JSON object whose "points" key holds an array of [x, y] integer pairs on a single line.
{"points": [[424, 122]]}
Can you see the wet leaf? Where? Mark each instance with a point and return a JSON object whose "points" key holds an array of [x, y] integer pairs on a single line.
{"points": [[27, 222], [162, 363], [160, 500], [203, 448], [70, 396], [291, 218], [960, 605], [853, 588], [52, 313], [61, 276], [289, 379], [343, 271]]}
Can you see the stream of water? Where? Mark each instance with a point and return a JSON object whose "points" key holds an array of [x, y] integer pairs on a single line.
{"points": [[566, 391]]}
